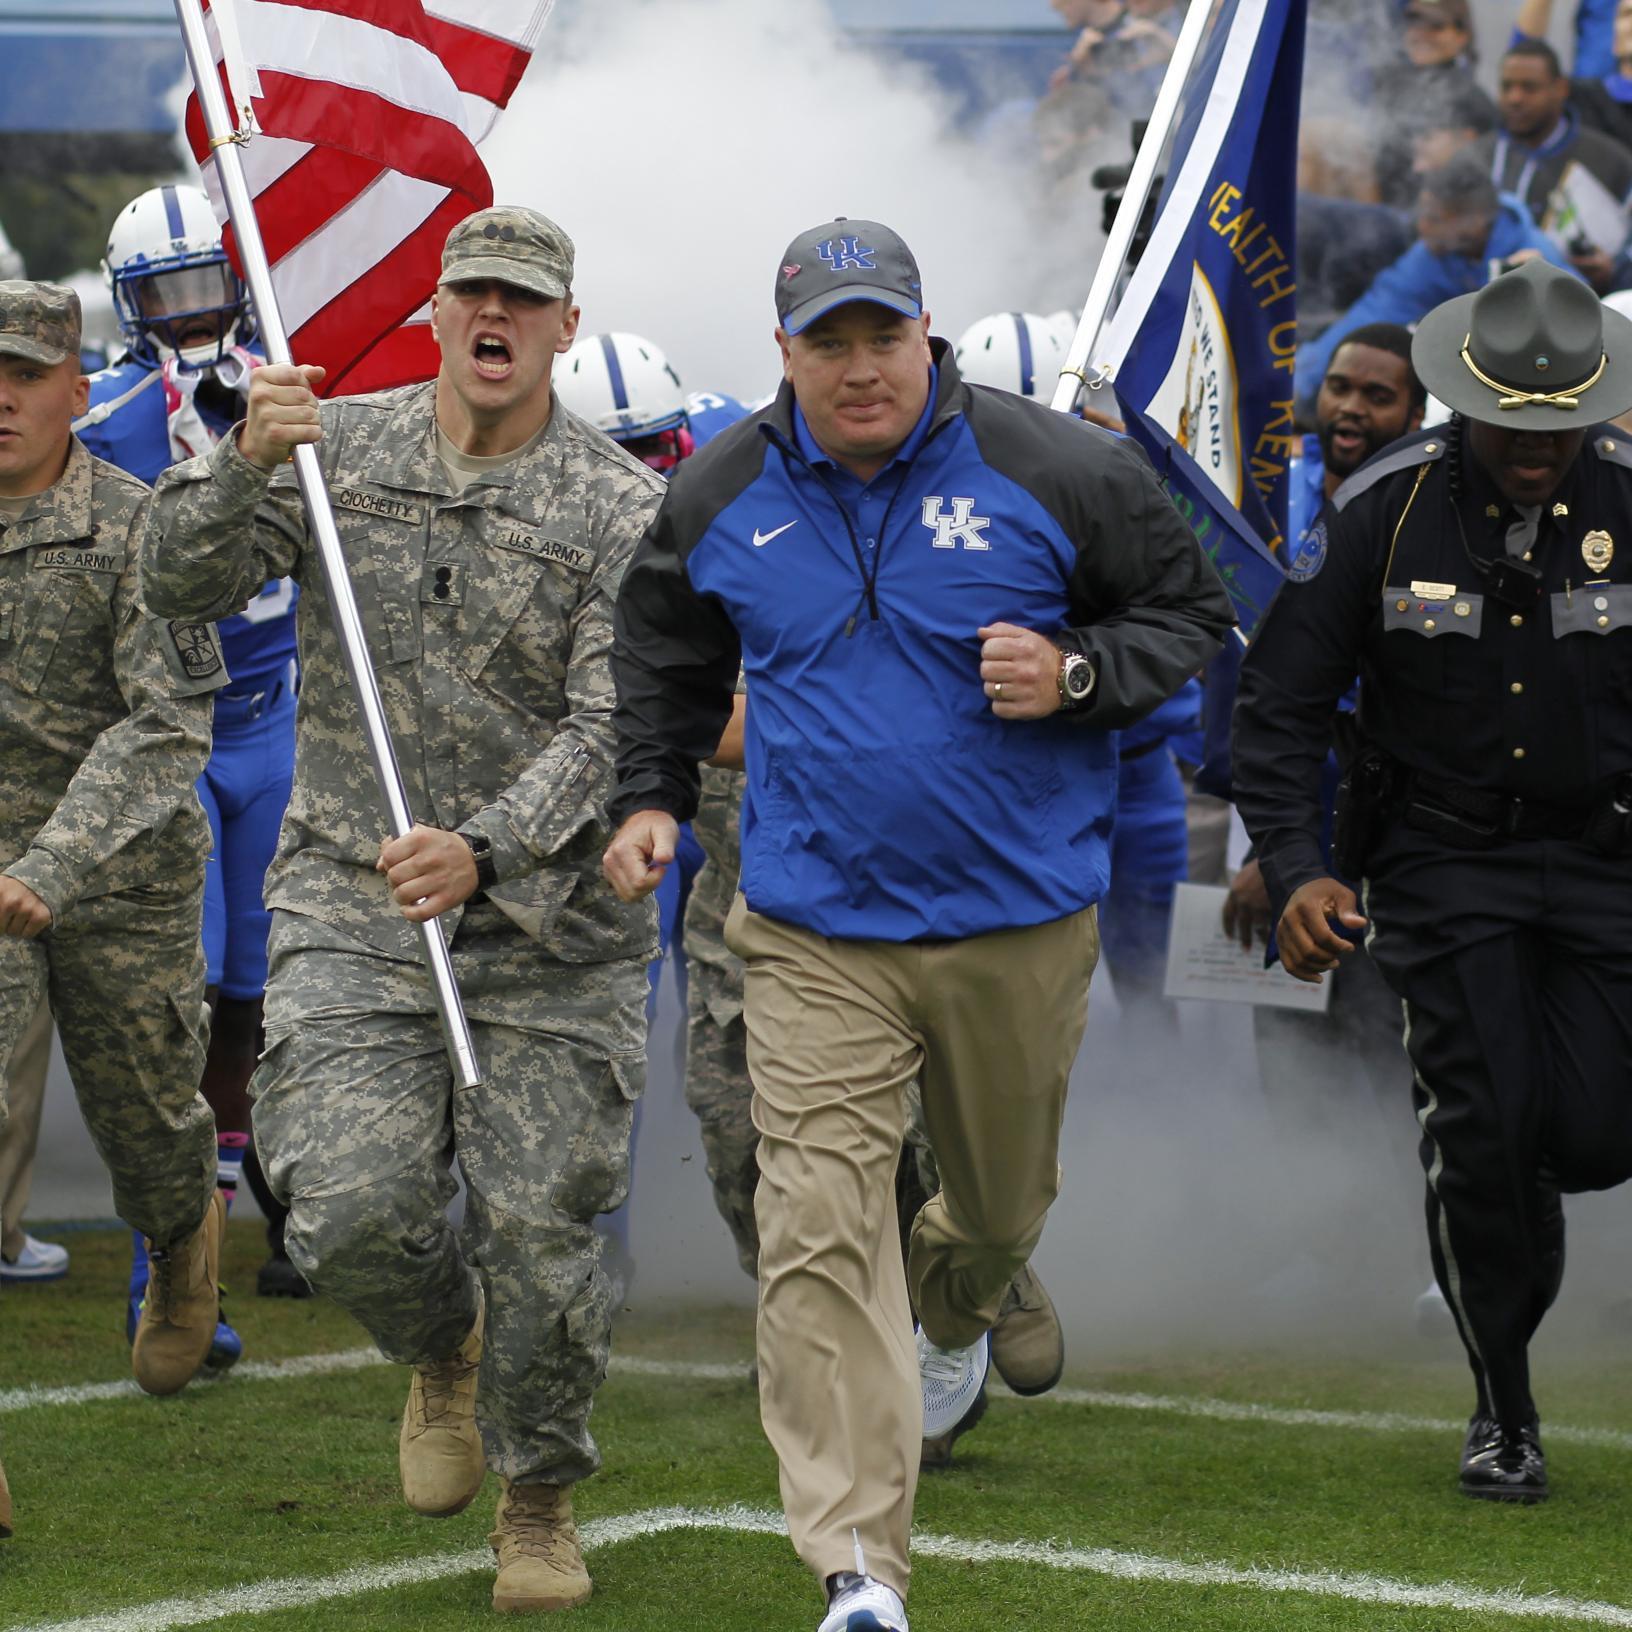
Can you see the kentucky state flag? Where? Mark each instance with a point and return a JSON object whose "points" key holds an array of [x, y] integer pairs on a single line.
{"points": [[1202, 343]]}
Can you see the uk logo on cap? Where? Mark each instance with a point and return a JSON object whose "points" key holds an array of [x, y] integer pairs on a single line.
{"points": [[847, 255]]}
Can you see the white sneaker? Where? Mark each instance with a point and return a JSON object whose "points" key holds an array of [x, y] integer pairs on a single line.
{"points": [[38, 1261], [952, 1380], [865, 1605]]}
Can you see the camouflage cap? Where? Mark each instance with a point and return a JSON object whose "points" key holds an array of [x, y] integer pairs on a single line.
{"points": [[512, 245], [39, 321]]}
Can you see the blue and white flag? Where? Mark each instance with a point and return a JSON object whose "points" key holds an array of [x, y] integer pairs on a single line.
{"points": [[1201, 347]]}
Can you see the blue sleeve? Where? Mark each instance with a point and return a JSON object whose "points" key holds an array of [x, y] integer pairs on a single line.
{"points": [[1402, 293]]}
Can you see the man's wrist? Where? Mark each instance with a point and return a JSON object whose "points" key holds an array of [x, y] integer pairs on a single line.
{"points": [[481, 850]]}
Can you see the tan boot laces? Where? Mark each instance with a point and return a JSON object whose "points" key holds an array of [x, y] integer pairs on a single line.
{"points": [[438, 1399], [532, 1524]]}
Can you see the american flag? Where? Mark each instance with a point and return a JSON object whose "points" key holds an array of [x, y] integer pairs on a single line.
{"points": [[367, 116]]}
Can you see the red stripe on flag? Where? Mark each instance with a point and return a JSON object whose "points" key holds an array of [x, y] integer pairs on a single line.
{"points": [[404, 17], [308, 193], [359, 122], [382, 296], [408, 355], [481, 65]]}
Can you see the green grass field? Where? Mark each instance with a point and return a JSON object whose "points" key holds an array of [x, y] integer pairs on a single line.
{"points": [[264, 1500]]}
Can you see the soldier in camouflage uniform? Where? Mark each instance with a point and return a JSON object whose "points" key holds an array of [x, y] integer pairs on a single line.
{"points": [[104, 727], [487, 531]]}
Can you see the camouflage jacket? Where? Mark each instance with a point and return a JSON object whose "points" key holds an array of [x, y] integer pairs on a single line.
{"points": [[104, 712], [489, 619], [717, 827]]}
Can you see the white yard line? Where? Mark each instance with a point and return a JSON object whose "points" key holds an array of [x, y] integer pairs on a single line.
{"points": [[292, 1592], [1180, 1405]]}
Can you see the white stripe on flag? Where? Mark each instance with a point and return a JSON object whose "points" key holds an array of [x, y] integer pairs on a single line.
{"points": [[518, 21], [349, 54], [350, 244], [1179, 211]]}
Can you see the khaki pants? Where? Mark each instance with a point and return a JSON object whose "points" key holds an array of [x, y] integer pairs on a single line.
{"points": [[25, 1100], [837, 1030]]}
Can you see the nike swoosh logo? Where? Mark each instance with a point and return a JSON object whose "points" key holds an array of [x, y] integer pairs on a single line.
{"points": [[762, 539]]}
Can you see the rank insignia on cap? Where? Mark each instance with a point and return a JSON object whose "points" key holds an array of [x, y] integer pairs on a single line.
{"points": [[1597, 550]]}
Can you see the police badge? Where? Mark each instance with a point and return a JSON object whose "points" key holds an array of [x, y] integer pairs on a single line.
{"points": [[1597, 550]]}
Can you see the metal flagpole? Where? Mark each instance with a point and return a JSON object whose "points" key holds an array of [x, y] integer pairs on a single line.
{"points": [[224, 137], [1073, 375]]}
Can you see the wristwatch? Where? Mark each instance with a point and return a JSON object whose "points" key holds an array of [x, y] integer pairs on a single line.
{"points": [[1077, 678], [481, 847]]}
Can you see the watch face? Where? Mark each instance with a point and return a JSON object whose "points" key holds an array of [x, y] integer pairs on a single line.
{"points": [[1079, 679]]}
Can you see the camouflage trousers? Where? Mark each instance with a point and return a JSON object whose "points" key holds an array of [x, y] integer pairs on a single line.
{"points": [[720, 1094], [357, 1122], [125, 976]]}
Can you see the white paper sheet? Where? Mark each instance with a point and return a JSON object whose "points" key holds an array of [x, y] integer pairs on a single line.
{"points": [[1204, 962]]}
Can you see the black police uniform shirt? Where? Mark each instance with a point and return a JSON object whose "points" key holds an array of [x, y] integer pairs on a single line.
{"points": [[1533, 702]]}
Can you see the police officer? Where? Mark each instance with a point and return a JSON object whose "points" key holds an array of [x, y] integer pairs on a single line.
{"points": [[487, 531], [102, 841], [1478, 577]]}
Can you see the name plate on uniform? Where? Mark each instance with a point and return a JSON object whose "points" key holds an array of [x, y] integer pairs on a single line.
{"points": [[361, 502], [1204, 962], [547, 549], [77, 560]]}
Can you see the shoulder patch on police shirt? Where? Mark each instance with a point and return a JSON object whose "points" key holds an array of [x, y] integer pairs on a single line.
{"points": [[197, 651], [1309, 555], [548, 549], [1388, 463], [360, 501], [76, 559]]}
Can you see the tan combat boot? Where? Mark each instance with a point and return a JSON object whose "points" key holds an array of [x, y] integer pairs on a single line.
{"points": [[1028, 1347], [440, 1448], [541, 1565], [5, 1506], [182, 1306]]}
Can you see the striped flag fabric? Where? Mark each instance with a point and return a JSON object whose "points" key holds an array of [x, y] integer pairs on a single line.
{"points": [[367, 115]]}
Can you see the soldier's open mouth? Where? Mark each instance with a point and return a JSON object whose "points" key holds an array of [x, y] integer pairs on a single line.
{"points": [[492, 357]]}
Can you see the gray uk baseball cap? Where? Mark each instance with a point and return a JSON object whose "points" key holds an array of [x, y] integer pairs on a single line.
{"points": [[39, 322], [844, 260], [510, 245]]}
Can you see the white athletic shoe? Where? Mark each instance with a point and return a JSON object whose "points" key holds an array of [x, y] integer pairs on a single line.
{"points": [[952, 1380], [38, 1261], [865, 1605]]}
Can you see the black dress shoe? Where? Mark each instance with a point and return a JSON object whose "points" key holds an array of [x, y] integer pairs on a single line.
{"points": [[1503, 1464]]}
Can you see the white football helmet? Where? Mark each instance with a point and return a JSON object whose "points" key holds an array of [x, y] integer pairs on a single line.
{"points": [[174, 291], [1015, 351], [622, 385]]}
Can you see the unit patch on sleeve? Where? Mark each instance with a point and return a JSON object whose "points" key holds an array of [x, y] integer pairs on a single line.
{"points": [[197, 650]]}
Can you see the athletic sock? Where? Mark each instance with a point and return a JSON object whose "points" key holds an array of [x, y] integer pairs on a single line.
{"points": [[229, 1164]]}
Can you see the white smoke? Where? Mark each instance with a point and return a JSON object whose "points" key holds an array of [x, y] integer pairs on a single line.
{"points": [[684, 143]]}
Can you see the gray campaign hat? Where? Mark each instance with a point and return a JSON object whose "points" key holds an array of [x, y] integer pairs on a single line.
{"points": [[39, 321], [511, 245], [844, 260], [1534, 350]]}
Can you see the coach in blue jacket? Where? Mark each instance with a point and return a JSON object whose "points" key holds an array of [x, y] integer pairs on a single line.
{"points": [[944, 598]]}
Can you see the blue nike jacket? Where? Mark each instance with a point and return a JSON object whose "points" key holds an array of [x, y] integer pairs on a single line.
{"points": [[884, 800]]}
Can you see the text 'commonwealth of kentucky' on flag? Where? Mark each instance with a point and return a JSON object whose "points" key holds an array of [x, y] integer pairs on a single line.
{"points": [[1201, 346]]}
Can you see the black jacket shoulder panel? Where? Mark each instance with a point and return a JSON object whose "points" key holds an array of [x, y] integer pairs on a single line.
{"points": [[1419, 448], [1055, 457], [713, 478]]}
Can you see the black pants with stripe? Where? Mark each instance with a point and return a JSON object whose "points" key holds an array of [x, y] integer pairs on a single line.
{"points": [[1514, 968]]}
